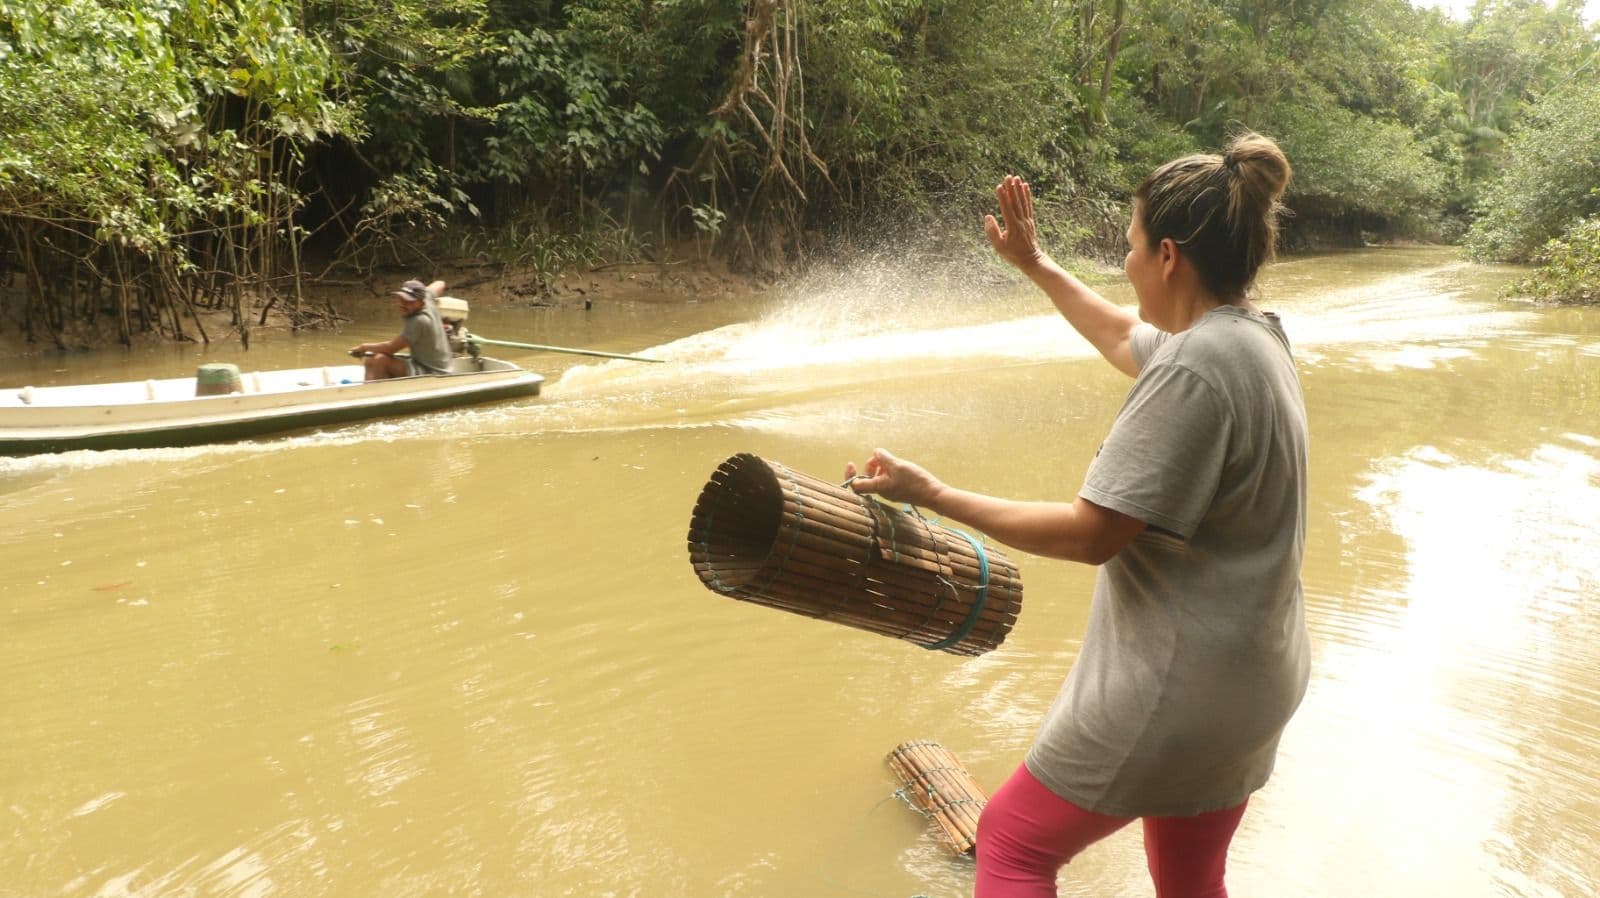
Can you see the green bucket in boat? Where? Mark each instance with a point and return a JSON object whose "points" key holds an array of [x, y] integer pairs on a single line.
{"points": [[216, 379]]}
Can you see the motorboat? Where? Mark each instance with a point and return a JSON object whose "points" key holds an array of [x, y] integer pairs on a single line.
{"points": [[221, 403]]}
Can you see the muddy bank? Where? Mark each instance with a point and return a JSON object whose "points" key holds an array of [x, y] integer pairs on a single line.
{"points": [[497, 287], [334, 300]]}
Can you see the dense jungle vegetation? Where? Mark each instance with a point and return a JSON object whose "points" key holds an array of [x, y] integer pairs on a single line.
{"points": [[161, 159]]}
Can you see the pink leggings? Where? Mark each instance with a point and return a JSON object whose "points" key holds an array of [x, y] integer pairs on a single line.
{"points": [[1027, 833]]}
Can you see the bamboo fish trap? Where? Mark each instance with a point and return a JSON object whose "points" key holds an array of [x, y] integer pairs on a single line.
{"points": [[764, 533], [941, 790]]}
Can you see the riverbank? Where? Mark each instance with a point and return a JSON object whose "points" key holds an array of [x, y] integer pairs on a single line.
{"points": [[614, 282], [340, 297]]}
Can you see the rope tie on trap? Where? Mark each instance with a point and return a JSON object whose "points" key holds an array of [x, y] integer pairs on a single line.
{"points": [[980, 591]]}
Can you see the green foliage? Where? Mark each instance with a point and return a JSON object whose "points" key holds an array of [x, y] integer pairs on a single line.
{"points": [[1551, 179], [707, 220], [155, 142], [107, 108], [406, 70], [1343, 86], [1490, 70], [545, 253], [1506, 51], [859, 104], [673, 57], [400, 213], [918, 103], [1348, 164], [1140, 140], [1200, 64], [558, 116], [1569, 267], [89, 97]]}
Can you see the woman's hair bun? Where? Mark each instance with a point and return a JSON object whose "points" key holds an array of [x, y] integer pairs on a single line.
{"points": [[1258, 160]]}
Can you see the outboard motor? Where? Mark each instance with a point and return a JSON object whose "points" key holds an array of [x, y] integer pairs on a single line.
{"points": [[453, 315]]}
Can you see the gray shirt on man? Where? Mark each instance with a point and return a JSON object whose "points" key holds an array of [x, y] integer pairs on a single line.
{"points": [[430, 349], [1196, 651]]}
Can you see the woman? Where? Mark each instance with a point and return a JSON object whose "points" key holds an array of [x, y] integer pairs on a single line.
{"points": [[1195, 655]]}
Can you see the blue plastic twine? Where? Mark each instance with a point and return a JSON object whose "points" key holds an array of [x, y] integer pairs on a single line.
{"points": [[977, 606]]}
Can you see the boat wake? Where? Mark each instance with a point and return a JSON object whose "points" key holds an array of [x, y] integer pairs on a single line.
{"points": [[778, 352], [192, 459], [834, 339]]}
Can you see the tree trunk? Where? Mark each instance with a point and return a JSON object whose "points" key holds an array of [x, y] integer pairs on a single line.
{"points": [[1112, 50]]}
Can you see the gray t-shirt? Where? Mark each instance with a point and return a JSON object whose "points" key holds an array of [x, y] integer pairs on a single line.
{"points": [[1196, 651], [430, 349]]}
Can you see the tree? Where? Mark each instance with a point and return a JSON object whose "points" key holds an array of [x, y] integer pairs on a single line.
{"points": [[150, 155], [1551, 179]]}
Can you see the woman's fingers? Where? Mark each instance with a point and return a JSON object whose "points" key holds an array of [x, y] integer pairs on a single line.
{"points": [[1002, 194], [859, 480], [1015, 201], [991, 229], [1022, 192], [1018, 201], [893, 479], [1014, 240], [863, 483], [881, 462], [875, 476]]}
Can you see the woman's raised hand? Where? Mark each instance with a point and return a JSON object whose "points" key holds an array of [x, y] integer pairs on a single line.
{"points": [[1018, 241], [894, 479]]}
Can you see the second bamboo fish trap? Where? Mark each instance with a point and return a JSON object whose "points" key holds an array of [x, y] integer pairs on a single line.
{"points": [[765, 533], [941, 790]]}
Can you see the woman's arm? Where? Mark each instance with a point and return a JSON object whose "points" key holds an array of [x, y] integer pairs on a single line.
{"points": [[1103, 323], [1076, 531]]}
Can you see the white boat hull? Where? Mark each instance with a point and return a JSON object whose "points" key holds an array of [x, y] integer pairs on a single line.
{"points": [[142, 414]]}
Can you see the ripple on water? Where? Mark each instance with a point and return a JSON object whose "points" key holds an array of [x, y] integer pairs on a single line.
{"points": [[1467, 654]]}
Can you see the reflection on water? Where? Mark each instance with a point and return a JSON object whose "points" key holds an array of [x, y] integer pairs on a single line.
{"points": [[462, 653], [1462, 662]]}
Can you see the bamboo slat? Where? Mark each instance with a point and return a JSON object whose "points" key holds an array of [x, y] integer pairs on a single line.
{"points": [[764, 533], [941, 789]]}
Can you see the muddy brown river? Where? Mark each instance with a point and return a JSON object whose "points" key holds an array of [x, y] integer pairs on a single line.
{"points": [[464, 653]]}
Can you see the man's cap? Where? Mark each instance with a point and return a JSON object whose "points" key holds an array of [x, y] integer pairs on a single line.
{"points": [[416, 291]]}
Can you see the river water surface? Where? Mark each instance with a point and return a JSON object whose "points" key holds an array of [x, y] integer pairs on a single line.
{"points": [[464, 653]]}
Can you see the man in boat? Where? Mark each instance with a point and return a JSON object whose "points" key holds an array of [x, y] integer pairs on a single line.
{"points": [[423, 334]]}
